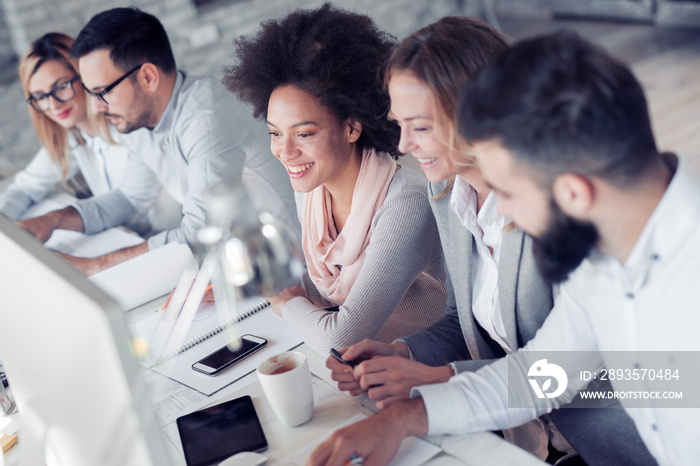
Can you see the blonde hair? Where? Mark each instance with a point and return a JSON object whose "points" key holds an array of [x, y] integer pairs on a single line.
{"points": [[52, 136], [444, 55]]}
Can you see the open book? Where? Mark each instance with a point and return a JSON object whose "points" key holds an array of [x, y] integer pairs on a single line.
{"points": [[208, 334]]}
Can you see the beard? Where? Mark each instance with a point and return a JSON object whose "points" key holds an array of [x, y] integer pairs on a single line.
{"points": [[564, 245], [145, 111]]}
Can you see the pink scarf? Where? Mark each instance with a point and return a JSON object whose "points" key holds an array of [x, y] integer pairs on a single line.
{"points": [[334, 260]]}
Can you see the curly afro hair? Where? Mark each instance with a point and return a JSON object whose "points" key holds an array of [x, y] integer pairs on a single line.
{"points": [[335, 55]]}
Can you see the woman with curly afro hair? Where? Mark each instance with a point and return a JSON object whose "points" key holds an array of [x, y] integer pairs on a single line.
{"points": [[369, 238]]}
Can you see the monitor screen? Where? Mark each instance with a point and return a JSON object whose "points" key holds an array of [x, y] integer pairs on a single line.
{"points": [[81, 395]]}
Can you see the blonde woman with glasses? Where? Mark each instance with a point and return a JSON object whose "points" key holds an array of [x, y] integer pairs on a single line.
{"points": [[73, 139]]}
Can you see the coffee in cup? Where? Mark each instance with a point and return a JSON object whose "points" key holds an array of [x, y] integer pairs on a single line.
{"points": [[286, 382]]}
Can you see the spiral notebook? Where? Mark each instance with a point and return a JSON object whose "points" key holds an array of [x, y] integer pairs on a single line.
{"points": [[198, 334], [206, 335]]}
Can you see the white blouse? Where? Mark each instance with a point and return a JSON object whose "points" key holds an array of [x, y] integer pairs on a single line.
{"points": [[101, 164]]}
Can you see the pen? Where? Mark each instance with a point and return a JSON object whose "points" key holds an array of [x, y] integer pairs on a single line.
{"points": [[167, 301]]}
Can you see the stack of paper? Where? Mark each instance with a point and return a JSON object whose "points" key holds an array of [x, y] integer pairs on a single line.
{"points": [[145, 277]]}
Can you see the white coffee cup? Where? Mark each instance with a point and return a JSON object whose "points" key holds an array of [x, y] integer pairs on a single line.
{"points": [[286, 382]]}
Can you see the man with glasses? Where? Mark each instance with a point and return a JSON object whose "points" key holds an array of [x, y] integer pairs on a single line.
{"points": [[183, 134]]}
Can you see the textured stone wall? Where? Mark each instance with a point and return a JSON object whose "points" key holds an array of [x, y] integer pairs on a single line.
{"points": [[201, 38], [8, 58]]}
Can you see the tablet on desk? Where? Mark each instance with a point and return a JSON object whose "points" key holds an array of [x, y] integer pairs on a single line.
{"points": [[213, 434]]}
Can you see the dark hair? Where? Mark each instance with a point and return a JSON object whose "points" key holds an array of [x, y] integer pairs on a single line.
{"points": [[334, 55], [560, 104], [132, 36]]}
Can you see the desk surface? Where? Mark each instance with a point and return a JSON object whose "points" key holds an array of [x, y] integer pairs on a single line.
{"points": [[332, 408]]}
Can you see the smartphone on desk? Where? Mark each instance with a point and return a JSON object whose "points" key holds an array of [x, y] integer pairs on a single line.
{"points": [[211, 435], [223, 358]]}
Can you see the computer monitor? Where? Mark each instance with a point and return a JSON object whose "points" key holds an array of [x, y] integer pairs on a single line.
{"points": [[80, 390]]}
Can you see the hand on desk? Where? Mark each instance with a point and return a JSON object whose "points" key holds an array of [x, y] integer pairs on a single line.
{"points": [[385, 373], [91, 265], [278, 301], [88, 266], [42, 227], [375, 439]]}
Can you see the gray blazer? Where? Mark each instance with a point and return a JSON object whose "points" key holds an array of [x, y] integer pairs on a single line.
{"points": [[600, 435]]}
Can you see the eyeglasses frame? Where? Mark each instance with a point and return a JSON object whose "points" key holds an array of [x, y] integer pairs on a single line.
{"points": [[52, 93], [100, 95]]}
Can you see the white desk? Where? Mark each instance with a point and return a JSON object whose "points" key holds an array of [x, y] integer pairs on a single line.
{"points": [[476, 449], [332, 409]]}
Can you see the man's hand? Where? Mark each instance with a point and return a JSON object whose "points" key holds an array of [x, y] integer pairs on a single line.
{"points": [[278, 301], [42, 227], [390, 379], [366, 349], [376, 439], [89, 266]]}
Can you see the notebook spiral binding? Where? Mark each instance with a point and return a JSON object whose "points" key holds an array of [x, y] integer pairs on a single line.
{"points": [[191, 343]]}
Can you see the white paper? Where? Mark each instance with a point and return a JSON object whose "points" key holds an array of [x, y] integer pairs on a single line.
{"points": [[265, 323], [79, 244], [144, 277], [173, 399], [412, 451]]}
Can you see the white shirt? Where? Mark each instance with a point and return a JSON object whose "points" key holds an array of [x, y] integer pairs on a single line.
{"points": [[102, 165], [648, 304], [487, 229]]}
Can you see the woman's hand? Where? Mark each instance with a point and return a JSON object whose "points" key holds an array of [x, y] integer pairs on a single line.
{"points": [[365, 350], [388, 379], [278, 301]]}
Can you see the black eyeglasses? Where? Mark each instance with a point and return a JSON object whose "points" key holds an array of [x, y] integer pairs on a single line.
{"points": [[100, 95], [62, 93]]}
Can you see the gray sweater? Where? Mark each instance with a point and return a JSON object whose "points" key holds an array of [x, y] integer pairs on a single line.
{"points": [[399, 290]]}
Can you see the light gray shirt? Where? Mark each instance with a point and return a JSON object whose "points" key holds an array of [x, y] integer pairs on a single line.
{"points": [[205, 136]]}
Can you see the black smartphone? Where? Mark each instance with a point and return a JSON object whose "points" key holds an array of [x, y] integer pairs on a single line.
{"points": [[336, 354], [222, 359], [213, 434]]}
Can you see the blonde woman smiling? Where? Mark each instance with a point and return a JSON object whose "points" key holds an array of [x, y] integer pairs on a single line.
{"points": [[73, 139]]}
